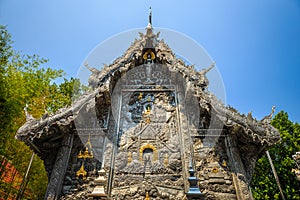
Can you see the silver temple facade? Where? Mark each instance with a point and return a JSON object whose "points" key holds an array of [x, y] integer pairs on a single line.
{"points": [[150, 129]]}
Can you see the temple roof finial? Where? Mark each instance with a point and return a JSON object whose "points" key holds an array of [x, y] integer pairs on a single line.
{"points": [[150, 18]]}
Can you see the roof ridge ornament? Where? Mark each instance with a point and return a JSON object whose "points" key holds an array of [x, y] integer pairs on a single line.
{"points": [[150, 19], [203, 80], [92, 69]]}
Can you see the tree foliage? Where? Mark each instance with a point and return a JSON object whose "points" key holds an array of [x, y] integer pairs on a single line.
{"points": [[263, 182], [24, 81]]}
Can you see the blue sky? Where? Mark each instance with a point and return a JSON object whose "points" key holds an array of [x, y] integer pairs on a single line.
{"points": [[256, 44]]}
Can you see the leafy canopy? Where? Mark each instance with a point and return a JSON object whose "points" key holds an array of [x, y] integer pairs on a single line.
{"points": [[263, 182], [25, 80]]}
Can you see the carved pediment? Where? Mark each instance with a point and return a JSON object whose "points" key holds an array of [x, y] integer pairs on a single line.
{"points": [[148, 133]]}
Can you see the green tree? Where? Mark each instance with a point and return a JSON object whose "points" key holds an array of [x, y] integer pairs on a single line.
{"points": [[263, 182], [24, 81]]}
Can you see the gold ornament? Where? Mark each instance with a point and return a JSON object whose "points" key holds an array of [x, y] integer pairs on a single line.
{"points": [[149, 54]]}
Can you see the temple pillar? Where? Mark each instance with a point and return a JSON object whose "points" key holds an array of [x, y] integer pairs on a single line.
{"points": [[194, 191], [61, 164], [238, 171]]}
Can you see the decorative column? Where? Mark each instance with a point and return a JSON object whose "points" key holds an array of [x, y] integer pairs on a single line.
{"points": [[194, 191], [100, 182], [237, 167], [61, 164]]}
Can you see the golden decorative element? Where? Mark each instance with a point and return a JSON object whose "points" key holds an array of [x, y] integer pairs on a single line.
{"points": [[224, 163], [81, 172], [85, 154], [147, 196], [149, 99], [148, 120], [148, 110], [149, 54], [129, 158], [215, 170], [166, 160], [80, 155], [140, 96], [89, 142], [148, 146]]}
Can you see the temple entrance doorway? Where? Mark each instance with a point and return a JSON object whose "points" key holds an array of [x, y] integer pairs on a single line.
{"points": [[148, 156]]}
